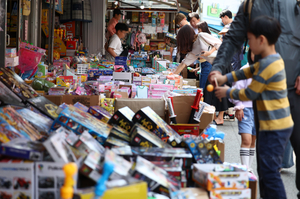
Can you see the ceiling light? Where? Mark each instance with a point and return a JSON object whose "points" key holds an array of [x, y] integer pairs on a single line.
{"points": [[116, 2]]}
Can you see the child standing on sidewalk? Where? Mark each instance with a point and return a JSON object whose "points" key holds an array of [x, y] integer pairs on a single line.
{"points": [[245, 116], [269, 90]]}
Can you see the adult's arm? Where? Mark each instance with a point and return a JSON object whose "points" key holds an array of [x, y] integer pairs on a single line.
{"points": [[111, 27], [111, 51], [232, 42]]}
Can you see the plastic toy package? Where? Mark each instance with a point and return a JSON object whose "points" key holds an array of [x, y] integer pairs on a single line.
{"points": [[16, 84], [78, 121], [115, 142], [45, 106], [13, 125], [8, 97], [151, 121], [108, 104], [100, 113]]}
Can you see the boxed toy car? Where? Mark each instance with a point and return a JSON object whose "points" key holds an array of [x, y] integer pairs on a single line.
{"points": [[13, 125], [49, 178], [151, 121], [86, 143], [16, 179], [45, 106], [78, 121], [140, 136], [23, 149], [123, 118], [230, 194], [206, 176], [100, 113]]}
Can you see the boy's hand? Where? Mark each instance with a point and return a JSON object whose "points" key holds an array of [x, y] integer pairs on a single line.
{"points": [[239, 114], [297, 85], [221, 79], [220, 92]]}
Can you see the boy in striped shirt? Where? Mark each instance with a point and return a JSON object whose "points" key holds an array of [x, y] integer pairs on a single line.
{"points": [[269, 89]]}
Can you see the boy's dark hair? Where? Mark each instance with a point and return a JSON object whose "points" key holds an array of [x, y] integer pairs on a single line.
{"points": [[266, 26], [204, 27], [227, 13], [191, 15], [117, 12], [121, 26]]}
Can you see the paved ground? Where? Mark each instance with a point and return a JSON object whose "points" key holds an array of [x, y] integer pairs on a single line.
{"points": [[232, 145]]}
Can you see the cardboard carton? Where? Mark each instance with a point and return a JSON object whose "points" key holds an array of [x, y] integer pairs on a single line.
{"points": [[230, 194], [88, 101], [199, 193], [253, 187]]}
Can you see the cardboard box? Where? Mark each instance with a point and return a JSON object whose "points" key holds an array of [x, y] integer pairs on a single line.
{"points": [[19, 178], [56, 99], [12, 61], [182, 108], [184, 73], [49, 178], [191, 82], [92, 100], [157, 105], [204, 176], [198, 193], [230, 194], [253, 187]]}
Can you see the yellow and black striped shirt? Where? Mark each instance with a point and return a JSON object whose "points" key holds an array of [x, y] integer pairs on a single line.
{"points": [[269, 89]]}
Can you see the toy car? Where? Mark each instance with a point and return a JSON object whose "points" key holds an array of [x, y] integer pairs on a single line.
{"points": [[5, 183], [47, 195], [46, 183], [22, 183], [4, 195], [23, 196]]}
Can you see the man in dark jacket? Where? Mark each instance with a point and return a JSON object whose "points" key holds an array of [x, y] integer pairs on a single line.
{"points": [[288, 46]]}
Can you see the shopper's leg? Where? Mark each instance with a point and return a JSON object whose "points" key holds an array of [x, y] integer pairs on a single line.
{"points": [[271, 149], [252, 151], [288, 159], [205, 70], [295, 137], [245, 149]]}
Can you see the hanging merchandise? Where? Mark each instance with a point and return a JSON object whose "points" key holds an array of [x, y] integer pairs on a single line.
{"points": [[161, 17], [154, 15], [142, 38], [26, 7], [135, 17], [142, 17]]}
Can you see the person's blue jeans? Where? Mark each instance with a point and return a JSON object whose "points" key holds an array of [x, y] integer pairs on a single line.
{"points": [[288, 157], [174, 58], [205, 70], [271, 146]]}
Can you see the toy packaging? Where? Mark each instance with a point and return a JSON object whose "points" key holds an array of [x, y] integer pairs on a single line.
{"points": [[58, 148], [174, 168], [8, 97], [23, 149], [91, 166], [86, 143], [81, 107], [230, 194], [13, 125], [45, 106], [40, 122], [151, 121], [123, 118], [78, 121], [16, 84], [121, 166], [119, 133], [100, 113], [140, 136], [156, 177], [191, 129], [49, 178], [205, 176], [108, 104], [115, 142], [17, 179]]}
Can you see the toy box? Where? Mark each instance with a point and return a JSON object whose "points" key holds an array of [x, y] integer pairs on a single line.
{"points": [[12, 61], [138, 63], [42, 70], [16, 84], [205, 176], [230, 194], [90, 167], [119, 133], [40, 122], [49, 178], [13, 125], [156, 177], [78, 121], [23, 149], [191, 129], [94, 74], [10, 52], [140, 136], [115, 142], [100, 113], [81, 106], [123, 118], [18, 179], [45, 106], [122, 76], [86, 143], [8, 97], [162, 87], [151, 121]]}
